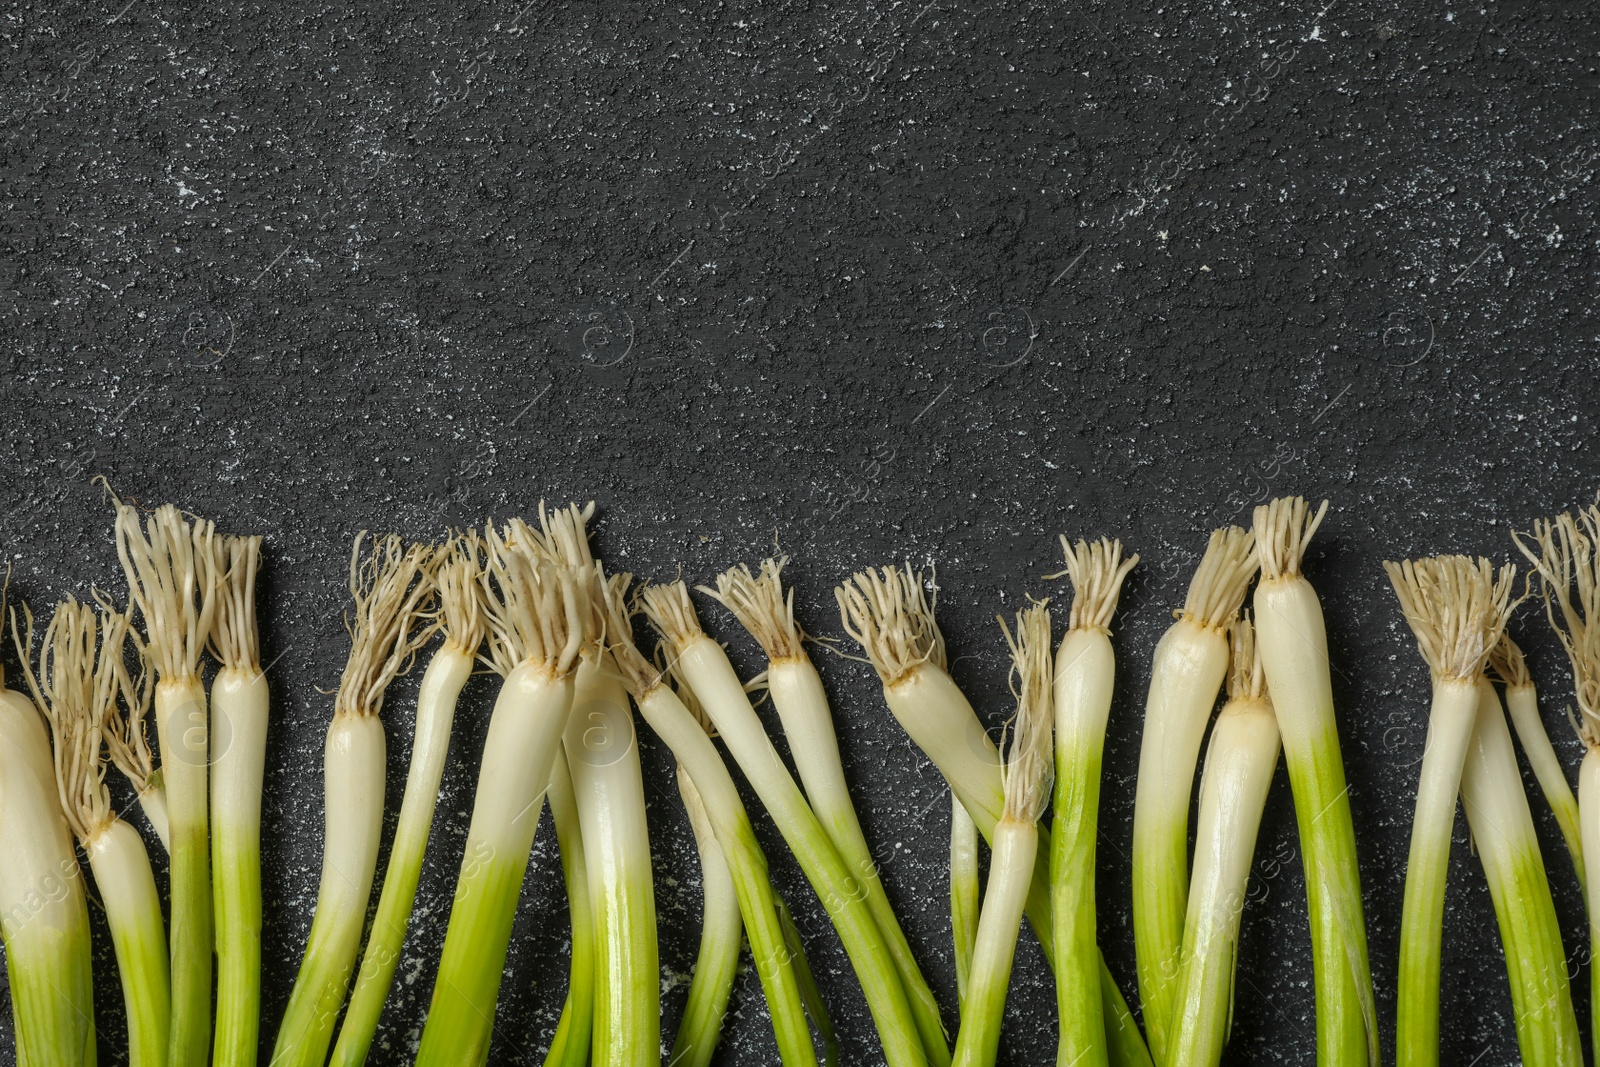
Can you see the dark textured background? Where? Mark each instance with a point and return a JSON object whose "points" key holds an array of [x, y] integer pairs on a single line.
{"points": [[879, 282]]}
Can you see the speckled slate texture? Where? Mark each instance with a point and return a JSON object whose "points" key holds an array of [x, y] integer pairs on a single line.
{"points": [[873, 283]]}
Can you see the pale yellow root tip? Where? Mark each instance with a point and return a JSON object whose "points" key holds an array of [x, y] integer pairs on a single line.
{"points": [[1247, 678], [671, 612], [394, 615], [171, 568], [234, 639], [1030, 767], [762, 607], [639, 676], [1097, 571], [1219, 585], [564, 534], [1283, 530], [537, 611], [1564, 554], [1509, 664], [75, 688], [459, 576], [887, 612], [1457, 607]]}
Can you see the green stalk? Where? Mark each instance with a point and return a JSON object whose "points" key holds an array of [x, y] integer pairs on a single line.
{"points": [[1010, 867], [1240, 761], [1293, 644], [1530, 933], [1589, 814], [239, 703], [810, 993], [44, 914], [797, 693], [1522, 702], [1190, 662], [1085, 675], [353, 781], [442, 683], [182, 730], [239, 697], [603, 756], [171, 567], [524, 736], [1458, 613], [704, 665], [1027, 794], [888, 615], [133, 911], [964, 891], [685, 735], [570, 1046], [721, 931]]}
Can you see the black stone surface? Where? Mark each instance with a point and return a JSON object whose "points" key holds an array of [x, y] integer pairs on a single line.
{"points": [[874, 282]]}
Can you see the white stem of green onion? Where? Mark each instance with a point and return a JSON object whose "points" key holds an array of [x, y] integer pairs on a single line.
{"points": [[761, 606], [1191, 660], [239, 702], [239, 706], [721, 931], [936, 715], [1016, 840], [353, 783], [570, 1046], [703, 664], [525, 731], [182, 731], [1458, 613], [1084, 678], [127, 886], [964, 890], [603, 756], [1522, 702], [44, 914], [442, 682], [758, 906], [173, 581], [1530, 933], [1293, 644], [1240, 761], [1589, 827]]}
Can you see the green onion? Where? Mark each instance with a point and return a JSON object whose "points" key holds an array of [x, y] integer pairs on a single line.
{"points": [[810, 994], [458, 579], [44, 913], [888, 614], [1240, 760], [603, 756], [1293, 644], [570, 1046], [393, 591], [51, 984], [1457, 609], [685, 733], [704, 665], [1566, 553], [1016, 841], [1530, 933], [721, 931], [1191, 661], [172, 580], [539, 617], [964, 891], [1522, 702], [239, 703], [127, 742], [764, 610], [1085, 673]]}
